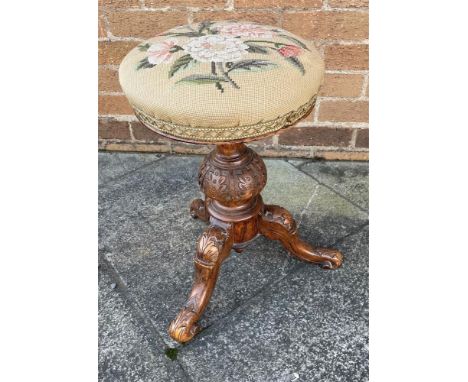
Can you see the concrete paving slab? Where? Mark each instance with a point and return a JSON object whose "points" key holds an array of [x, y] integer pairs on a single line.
{"points": [[350, 179], [311, 326], [128, 349], [116, 164], [297, 161], [145, 224], [271, 318]]}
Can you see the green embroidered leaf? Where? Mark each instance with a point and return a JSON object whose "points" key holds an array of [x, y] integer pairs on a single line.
{"points": [[144, 64], [144, 47], [219, 87], [183, 34], [252, 65], [293, 39], [205, 25], [175, 48], [296, 63], [254, 48], [182, 62], [201, 79]]}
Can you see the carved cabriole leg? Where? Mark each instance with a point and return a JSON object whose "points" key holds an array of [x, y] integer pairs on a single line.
{"points": [[213, 246], [232, 177], [278, 224], [198, 210]]}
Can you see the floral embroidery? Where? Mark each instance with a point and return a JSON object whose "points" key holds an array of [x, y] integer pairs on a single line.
{"points": [[289, 51], [225, 46], [216, 48], [244, 30], [160, 52]]}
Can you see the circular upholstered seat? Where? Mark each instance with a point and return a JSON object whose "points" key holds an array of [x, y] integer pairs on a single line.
{"points": [[221, 81]]}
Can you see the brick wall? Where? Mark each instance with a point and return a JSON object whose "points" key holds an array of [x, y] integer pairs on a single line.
{"points": [[336, 129]]}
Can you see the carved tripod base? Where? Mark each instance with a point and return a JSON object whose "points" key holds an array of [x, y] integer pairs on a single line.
{"points": [[232, 177]]}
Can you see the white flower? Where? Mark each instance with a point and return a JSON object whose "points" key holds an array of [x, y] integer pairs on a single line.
{"points": [[215, 48], [160, 52], [244, 30]]}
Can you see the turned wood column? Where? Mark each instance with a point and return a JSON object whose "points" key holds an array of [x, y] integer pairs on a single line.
{"points": [[232, 177]]}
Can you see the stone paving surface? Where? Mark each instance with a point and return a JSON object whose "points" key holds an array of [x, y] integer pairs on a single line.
{"points": [[271, 317]]}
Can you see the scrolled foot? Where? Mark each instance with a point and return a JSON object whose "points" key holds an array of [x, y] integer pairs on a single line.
{"points": [[213, 246], [184, 327], [330, 258], [198, 210], [278, 224]]}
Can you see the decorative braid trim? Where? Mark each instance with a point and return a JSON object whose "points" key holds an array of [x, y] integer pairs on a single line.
{"points": [[223, 134]]}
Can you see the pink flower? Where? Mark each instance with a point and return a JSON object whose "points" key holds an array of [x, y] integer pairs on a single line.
{"points": [[244, 30], [290, 51], [160, 52]]}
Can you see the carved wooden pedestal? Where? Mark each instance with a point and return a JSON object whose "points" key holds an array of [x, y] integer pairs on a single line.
{"points": [[232, 177]]}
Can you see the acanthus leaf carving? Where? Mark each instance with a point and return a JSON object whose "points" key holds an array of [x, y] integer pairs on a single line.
{"points": [[210, 245], [237, 182], [277, 214]]}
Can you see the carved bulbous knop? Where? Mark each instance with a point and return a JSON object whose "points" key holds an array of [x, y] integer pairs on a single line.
{"points": [[235, 179]]}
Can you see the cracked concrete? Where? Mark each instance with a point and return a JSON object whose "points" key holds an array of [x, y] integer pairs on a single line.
{"points": [[271, 317]]}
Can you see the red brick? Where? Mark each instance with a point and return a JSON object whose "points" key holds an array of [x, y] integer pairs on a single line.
{"points": [[362, 138], [267, 18], [348, 3], [315, 136], [287, 151], [111, 129], [109, 80], [142, 133], [114, 4], [328, 25], [261, 143], [342, 155], [342, 85], [188, 148], [144, 24], [185, 3], [278, 3], [351, 57], [344, 111], [114, 105], [112, 53], [101, 27], [135, 147]]}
